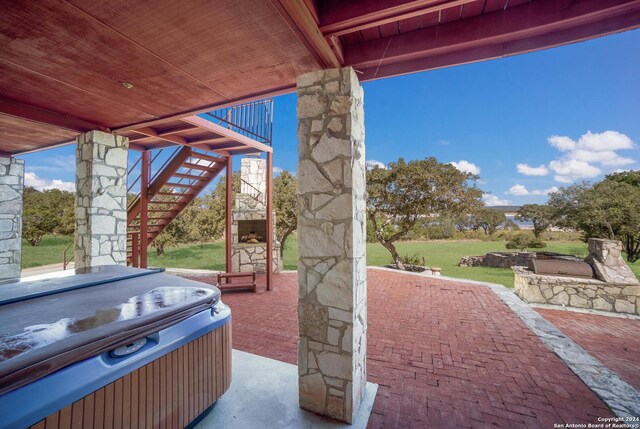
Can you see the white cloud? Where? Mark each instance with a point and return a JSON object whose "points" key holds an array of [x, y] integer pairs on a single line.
{"points": [[492, 200], [562, 179], [574, 169], [562, 143], [466, 166], [372, 163], [522, 190], [606, 158], [608, 140], [277, 170], [32, 180], [527, 170], [592, 155], [517, 190]]}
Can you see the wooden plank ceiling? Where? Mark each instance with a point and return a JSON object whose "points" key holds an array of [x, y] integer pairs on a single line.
{"points": [[66, 66]]}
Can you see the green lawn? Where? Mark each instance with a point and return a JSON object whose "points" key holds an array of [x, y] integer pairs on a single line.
{"points": [[48, 252], [443, 254]]}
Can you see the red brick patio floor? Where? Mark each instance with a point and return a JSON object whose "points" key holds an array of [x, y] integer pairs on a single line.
{"points": [[445, 354], [613, 341]]}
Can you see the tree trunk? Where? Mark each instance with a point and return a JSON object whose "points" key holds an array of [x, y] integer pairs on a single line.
{"points": [[284, 239], [632, 247], [394, 254], [536, 229]]}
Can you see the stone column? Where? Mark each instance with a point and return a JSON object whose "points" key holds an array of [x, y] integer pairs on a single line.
{"points": [[101, 199], [332, 291], [11, 188], [605, 256]]}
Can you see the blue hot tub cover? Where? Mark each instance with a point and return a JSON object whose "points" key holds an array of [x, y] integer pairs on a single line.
{"points": [[59, 322]]}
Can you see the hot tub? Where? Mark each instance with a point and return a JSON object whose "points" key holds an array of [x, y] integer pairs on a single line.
{"points": [[111, 347]]}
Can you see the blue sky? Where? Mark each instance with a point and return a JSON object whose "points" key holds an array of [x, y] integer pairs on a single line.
{"points": [[528, 123]]}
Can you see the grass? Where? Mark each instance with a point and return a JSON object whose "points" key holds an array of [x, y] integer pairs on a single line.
{"points": [[48, 252], [438, 253]]}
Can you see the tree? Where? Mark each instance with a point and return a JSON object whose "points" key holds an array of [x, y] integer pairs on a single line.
{"points": [[630, 177], [511, 225], [564, 205], [408, 191], [47, 212], [609, 209], [539, 215], [489, 219], [36, 222], [524, 241], [285, 203], [631, 231]]}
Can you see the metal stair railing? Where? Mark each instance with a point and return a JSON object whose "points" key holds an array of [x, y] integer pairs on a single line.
{"points": [[255, 193]]}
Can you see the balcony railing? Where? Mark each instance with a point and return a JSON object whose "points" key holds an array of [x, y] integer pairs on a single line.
{"points": [[253, 119]]}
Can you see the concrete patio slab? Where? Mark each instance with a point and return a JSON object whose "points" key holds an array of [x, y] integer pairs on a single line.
{"points": [[44, 269], [264, 394]]}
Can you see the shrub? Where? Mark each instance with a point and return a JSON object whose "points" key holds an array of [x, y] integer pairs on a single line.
{"points": [[414, 259], [524, 241]]}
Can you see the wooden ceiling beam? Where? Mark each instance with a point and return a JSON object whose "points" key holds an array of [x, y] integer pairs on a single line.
{"points": [[159, 134], [216, 139], [304, 24], [150, 132], [344, 22], [528, 20], [36, 114], [466, 56]]}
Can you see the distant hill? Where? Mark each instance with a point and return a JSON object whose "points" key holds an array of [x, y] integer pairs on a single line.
{"points": [[507, 209]]}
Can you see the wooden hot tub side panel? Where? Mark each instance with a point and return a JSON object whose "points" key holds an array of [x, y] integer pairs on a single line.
{"points": [[169, 392]]}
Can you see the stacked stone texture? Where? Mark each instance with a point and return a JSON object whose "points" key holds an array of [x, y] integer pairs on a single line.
{"points": [[11, 190], [101, 199], [510, 259], [247, 257], [605, 256], [251, 206], [331, 243], [253, 185], [618, 290]]}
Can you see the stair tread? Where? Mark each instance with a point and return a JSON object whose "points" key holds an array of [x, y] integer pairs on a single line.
{"points": [[193, 166], [207, 157], [181, 185], [189, 176]]}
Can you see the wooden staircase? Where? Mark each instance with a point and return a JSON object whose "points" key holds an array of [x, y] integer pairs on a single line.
{"points": [[170, 191]]}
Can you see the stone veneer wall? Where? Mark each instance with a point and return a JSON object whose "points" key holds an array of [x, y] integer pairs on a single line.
{"points": [[332, 312], [245, 257], [605, 256], [253, 172], [615, 288], [510, 259], [576, 292], [101, 199], [11, 190]]}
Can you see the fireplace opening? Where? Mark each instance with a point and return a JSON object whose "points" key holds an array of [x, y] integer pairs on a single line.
{"points": [[252, 231]]}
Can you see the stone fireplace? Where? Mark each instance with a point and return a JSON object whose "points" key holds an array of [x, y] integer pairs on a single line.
{"points": [[249, 221]]}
